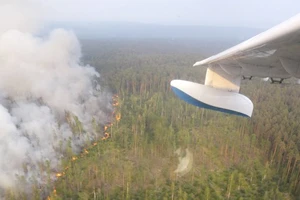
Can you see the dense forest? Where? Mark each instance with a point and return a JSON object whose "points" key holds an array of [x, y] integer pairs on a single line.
{"points": [[134, 158]]}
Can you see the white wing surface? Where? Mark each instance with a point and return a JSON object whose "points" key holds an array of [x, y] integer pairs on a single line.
{"points": [[274, 53]]}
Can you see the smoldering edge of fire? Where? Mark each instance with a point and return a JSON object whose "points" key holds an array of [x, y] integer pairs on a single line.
{"points": [[45, 94]]}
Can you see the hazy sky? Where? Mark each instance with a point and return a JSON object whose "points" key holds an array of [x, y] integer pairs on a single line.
{"points": [[250, 13]]}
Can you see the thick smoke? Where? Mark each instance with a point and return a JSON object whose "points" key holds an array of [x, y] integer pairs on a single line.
{"points": [[45, 93]]}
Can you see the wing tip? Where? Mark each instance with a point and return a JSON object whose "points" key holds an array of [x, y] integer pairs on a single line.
{"points": [[201, 63], [197, 64]]}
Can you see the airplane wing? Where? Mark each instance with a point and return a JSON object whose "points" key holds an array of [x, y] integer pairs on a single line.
{"points": [[274, 53]]}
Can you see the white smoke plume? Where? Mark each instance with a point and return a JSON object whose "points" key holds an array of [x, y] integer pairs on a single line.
{"points": [[43, 89]]}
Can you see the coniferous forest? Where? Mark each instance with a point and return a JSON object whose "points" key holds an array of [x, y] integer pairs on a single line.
{"points": [[134, 158]]}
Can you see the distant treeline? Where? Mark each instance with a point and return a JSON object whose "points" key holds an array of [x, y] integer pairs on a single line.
{"points": [[132, 30]]}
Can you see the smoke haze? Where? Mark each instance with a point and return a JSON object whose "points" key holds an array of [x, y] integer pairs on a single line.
{"points": [[44, 89]]}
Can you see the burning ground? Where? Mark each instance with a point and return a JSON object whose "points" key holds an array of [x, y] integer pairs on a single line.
{"points": [[50, 103]]}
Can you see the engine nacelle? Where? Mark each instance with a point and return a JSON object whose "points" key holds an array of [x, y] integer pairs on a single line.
{"points": [[208, 97]]}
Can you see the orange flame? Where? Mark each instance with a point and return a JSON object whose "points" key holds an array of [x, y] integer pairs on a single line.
{"points": [[118, 116], [106, 135], [59, 174], [74, 158]]}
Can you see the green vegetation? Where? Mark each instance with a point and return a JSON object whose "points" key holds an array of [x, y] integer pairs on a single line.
{"points": [[234, 157]]}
